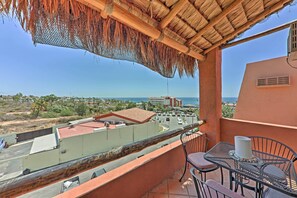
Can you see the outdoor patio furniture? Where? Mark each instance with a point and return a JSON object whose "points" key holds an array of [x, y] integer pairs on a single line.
{"points": [[211, 188], [267, 145], [273, 147], [278, 171], [258, 170], [194, 144], [271, 193]]}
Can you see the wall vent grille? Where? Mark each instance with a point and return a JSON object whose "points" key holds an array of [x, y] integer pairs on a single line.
{"points": [[273, 81]]}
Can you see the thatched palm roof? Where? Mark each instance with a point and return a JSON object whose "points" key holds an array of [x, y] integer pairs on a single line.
{"points": [[163, 35]]}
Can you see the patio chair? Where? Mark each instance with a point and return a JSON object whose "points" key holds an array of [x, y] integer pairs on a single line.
{"points": [[194, 144], [275, 148], [271, 193], [211, 188]]}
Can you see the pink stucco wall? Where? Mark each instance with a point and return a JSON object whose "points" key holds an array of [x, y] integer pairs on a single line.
{"points": [[277, 105]]}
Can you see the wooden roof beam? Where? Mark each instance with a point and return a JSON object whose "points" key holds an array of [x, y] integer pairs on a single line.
{"points": [[175, 10], [214, 21], [120, 14], [103, 14], [259, 35], [247, 25]]}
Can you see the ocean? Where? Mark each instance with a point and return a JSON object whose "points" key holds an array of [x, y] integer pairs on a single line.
{"points": [[186, 100]]}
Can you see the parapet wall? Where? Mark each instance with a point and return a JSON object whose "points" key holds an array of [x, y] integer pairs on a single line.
{"points": [[83, 145]]}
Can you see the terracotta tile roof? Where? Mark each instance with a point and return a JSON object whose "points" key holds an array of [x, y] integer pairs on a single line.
{"points": [[134, 114]]}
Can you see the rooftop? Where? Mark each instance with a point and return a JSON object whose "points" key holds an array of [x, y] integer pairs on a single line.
{"points": [[80, 129], [43, 143]]}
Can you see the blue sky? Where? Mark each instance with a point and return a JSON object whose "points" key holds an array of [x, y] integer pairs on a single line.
{"points": [[42, 69]]}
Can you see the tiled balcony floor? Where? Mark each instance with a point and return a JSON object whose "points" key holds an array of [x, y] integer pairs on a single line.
{"points": [[172, 188]]}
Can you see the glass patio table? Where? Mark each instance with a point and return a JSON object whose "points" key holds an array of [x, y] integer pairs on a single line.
{"points": [[222, 155]]}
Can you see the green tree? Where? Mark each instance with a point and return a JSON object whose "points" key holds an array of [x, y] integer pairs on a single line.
{"points": [[17, 97], [227, 111], [66, 112], [50, 98], [37, 106], [143, 105], [119, 107], [81, 109], [131, 105]]}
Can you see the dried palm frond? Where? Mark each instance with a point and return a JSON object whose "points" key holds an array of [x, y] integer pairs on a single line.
{"points": [[68, 23]]}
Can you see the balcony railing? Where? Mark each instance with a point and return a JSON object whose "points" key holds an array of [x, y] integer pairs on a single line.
{"points": [[146, 172], [42, 178]]}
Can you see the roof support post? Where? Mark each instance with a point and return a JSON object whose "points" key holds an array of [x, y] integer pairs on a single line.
{"points": [[210, 95]]}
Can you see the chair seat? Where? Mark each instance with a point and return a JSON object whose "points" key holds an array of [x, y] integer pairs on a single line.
{"points": [[197, 159], [275, 172], [271, 193], [270, 170], [220, 188]]}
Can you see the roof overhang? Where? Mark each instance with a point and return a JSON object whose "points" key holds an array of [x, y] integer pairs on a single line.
{"points": [[163, 35]]}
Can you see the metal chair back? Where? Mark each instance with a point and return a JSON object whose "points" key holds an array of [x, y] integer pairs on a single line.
{"points": [[193, 141], [275, 148], [205, 191]]}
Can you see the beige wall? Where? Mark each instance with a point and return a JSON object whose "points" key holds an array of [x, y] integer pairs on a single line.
{"points": [[117, 119], [277, 105], [41, 160], [10, 139], [83, 145]]}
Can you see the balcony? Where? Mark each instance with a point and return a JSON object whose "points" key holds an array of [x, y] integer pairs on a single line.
{"points": [[157, 173]]}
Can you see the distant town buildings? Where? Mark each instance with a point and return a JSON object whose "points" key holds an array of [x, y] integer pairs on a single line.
{"points": [[166, 101], [264, 93]]}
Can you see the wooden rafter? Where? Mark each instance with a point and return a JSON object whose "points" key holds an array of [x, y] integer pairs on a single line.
{"points": [[155, 23], [162, 6], [121, 15], [247, 25], [176, 8], [159, 3], [103, 14], [214, 21], [244, 13]]}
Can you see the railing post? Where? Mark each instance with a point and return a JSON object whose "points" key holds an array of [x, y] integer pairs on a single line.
{"points": [[210, 95]]}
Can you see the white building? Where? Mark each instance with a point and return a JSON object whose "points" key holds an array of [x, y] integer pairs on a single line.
{"points": [[166, 101]]}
